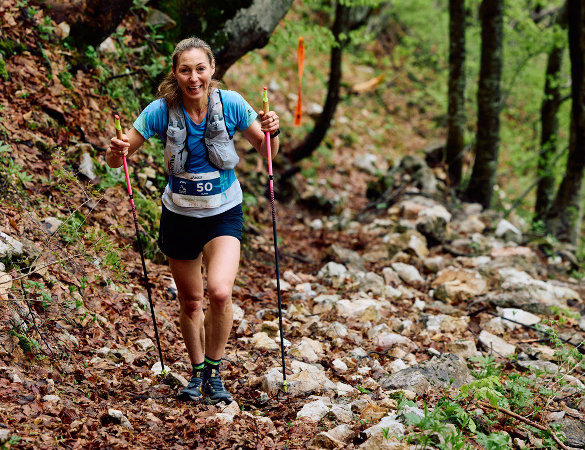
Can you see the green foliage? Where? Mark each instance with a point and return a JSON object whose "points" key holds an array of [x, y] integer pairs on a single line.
{"points": [[65, 78], [494, 441], [3, 72], [27, 344], [72, 228]]}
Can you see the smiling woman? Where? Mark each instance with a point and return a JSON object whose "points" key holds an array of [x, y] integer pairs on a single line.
{"points": [[201, 220]]}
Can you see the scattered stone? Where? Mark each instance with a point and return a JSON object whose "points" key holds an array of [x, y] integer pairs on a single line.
{"points": [[51, 398], [463, 349], [363, 308], [144, 344], [308, 349], [339, 366], [373, 283], [159, 19], [454, 285], [433, 223], [389, 340], [472, 224], [315, 410], [495, 344], [508, 232], [505, 252], [141, 301], [262, 341], [543, 366], [383, 435], [238, 313], [10, 247], [335, 438], [86, 166], [333, 272], [119, 417], [347, 256], [446, 370], [574, 430], [518, 315], [536, 296], [4, 436], [408, 273], [434, 264], [50, 225], [390, 276]]}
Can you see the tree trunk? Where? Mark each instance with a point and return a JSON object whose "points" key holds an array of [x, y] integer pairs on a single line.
{"points": [[564, 217], [232, 27], [549, 126], [91, 21], [456, 111], [480, 187], [314, 138]]}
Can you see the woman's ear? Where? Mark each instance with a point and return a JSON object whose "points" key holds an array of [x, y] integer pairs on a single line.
{"points": [[213, 68]]}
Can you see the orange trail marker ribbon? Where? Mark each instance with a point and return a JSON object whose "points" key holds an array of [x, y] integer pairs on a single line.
{"points": [[301, 58]]}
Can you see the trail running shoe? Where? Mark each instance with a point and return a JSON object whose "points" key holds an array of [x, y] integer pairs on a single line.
{"points": [[213, 388], [193, 390]]}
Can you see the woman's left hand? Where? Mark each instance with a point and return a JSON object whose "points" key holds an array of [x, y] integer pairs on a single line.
{"points": [[269, 121]]}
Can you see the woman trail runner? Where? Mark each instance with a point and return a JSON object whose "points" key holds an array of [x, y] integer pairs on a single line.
{"points": [[201, 220]]}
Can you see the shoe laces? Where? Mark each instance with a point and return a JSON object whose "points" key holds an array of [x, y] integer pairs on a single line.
{"points": [[195, 381], [215, 384]]}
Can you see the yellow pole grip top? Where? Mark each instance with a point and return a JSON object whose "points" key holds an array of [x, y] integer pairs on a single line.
{"points": [[265, 105]]}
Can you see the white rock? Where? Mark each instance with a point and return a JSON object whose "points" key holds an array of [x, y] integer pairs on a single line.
{"points": [[390, 276], [333, 270], [315, 410], [389, 340], [508, 232], [51, 398], [120, 417], [308, 349], [316, 224], [144, 344], [355, 308], [339, 366], [408, 273], [518, 315], [86, 166], [262, 341], [238, 313], [284, 286], [496, 344], [9, 246], [108, 46], [389, 423], [397, 365]]}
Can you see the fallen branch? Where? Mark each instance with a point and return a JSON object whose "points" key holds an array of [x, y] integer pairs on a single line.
{"points": [[527, 421]]}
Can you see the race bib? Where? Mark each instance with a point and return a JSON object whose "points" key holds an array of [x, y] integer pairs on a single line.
{"points": [[197, 190]]}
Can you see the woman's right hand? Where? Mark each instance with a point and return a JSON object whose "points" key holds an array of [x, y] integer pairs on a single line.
{"points": [[119, 147]]}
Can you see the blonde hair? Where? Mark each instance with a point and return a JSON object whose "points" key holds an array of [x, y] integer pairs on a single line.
{"points": [[169, 88]]}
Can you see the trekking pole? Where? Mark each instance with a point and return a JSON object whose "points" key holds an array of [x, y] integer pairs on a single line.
{"points": [[119, 136], [266, 108]]}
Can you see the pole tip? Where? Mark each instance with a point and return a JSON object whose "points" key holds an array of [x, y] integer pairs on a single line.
{"points": [[265, 88], [116, 116]]}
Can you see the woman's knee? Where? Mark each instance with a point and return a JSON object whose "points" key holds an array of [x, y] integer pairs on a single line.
{"points": [[191, 304], [220, 296]]}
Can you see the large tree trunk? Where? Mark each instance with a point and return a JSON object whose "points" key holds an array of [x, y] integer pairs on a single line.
{"points": [[314, 138], [480, 187], [456, 111], [232, 27], [91, 21], [549, 126], [564, 217]]}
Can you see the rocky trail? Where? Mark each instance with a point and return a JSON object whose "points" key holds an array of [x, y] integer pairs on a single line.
{"points": [[373, 316]]}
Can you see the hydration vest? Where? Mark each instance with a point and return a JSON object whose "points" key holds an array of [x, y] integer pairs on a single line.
{"points": [[219, 144]]}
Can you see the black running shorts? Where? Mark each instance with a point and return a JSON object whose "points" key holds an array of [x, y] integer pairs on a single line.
{"points": [[183, 237]]}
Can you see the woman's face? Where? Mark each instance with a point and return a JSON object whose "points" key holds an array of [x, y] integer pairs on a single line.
{"points": [[193, 74]]}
